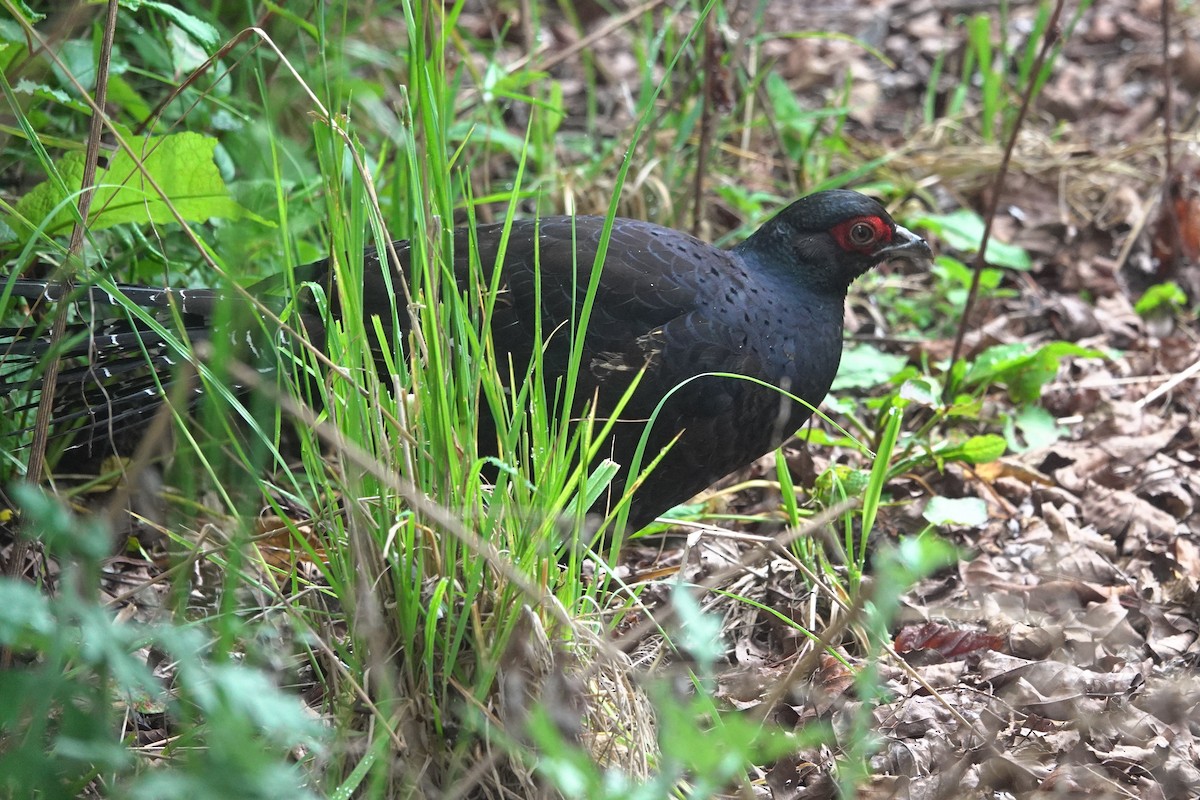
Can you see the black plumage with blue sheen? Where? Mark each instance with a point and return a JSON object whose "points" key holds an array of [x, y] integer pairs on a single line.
{"points": [[770, 308]]}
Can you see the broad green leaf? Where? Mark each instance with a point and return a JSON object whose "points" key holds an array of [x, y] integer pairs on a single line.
{"points": [[699, 633], [76, 60], [43, 92], [965, 406], [963, 230], [181, 164], [997, 360], [923, 391], [555, 113], [865, 367], [783, 102], [976, 450], [121, 94], [197, 28], [25, 615], [1023, 369], [1037, 427], [186, 53], [493, 135]]}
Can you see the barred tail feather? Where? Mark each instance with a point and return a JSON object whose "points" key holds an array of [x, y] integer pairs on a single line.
{"points": [[115, 369]]}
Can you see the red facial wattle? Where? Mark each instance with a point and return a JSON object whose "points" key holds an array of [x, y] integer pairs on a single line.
{"points": [[862, 234]]}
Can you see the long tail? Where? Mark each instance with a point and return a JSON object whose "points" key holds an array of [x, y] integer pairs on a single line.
{"points": [[116, 362]]}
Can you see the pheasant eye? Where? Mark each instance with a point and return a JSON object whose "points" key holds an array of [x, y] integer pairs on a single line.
{"points": [[862, 234]]}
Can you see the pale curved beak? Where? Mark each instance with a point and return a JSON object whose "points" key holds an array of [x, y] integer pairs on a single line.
{"points": [[907, 246]]}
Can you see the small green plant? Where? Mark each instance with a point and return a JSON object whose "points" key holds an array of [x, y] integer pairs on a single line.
{"points": [[1161, 298], [61, 725], [1023, 369]]}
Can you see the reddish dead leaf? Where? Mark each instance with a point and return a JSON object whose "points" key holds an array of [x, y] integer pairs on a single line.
{"points": [[278, 546], [1176, 234], [831, 680], [832, 676], [949, 643]]}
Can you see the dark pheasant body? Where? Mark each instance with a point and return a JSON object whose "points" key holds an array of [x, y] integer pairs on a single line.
{"points": [[669, 304]]}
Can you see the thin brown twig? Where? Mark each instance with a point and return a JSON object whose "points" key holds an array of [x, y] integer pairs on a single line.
{"points": [[151, 119], [1167, 215], [1168, 99], [1053, 35], [45, 410]]}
